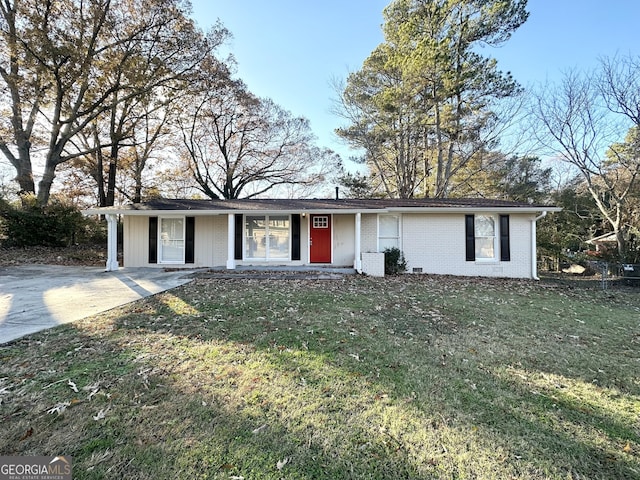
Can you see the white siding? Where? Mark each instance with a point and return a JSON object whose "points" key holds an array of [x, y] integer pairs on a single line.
{"points": [[135, 243], [344, 238], [210, 241], [304, 241]]}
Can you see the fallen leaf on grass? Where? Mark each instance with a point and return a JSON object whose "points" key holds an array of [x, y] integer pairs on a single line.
{"points": [[627, 448], [27, 434], [101, 414], [59, 408], [281, 463], [72, 385], [5, 390], [99, 457], [92, 389], [259, 429]]}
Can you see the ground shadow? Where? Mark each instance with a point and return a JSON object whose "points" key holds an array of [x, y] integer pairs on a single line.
{"points": [[203, 432]]}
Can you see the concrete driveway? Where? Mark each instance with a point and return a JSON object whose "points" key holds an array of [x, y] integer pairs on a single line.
{"points": [[37, 297]]}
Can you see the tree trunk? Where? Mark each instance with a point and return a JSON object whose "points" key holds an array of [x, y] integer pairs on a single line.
{"points": [[111, 183], [24, 171], [26, 183], [44, 186], [622, 247], [137, 190], [113, 169], [137, 195], [99, 177]]}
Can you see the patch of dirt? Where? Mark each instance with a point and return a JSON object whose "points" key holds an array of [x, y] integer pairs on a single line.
{"points": [[82, 255]]}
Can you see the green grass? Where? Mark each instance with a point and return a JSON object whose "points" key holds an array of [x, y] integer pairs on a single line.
{"points": [[408, 377]]}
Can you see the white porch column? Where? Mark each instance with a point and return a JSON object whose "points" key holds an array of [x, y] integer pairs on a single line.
{"points": [[112, 243], [357, 263], [231, 241]]}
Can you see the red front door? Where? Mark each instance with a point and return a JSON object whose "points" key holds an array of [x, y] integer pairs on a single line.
{"points": [[320, 239]]}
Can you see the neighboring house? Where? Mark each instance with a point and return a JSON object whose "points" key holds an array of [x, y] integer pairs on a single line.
{"points": [[604, 244], [472, 237]]}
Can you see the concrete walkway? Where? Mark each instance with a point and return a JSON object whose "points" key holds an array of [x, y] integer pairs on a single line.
{"points": [[37, 297]]}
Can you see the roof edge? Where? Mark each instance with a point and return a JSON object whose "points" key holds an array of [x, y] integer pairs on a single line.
{"points": [[345, 211]]}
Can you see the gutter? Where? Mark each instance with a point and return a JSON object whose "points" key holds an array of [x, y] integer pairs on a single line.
{"points": [[321, 211], [534, 253]]}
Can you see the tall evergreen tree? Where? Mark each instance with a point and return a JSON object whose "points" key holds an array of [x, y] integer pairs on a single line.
{"points": [[421, 106]]}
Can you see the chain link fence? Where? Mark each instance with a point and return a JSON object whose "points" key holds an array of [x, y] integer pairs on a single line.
{"points": [[608, 273]]}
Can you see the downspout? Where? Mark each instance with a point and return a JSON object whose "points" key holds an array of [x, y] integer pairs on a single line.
{"points": [[357, 263], [534, 252]]}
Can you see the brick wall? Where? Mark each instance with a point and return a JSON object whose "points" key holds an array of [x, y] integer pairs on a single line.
{"points": [[436, 244]]}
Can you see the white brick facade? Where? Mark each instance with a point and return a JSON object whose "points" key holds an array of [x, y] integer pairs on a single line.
{"points": [[432, 243], [435, 243]]}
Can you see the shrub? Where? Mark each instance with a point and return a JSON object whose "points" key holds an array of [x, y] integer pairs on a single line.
{"points": [[394, 262], [57, 224]]}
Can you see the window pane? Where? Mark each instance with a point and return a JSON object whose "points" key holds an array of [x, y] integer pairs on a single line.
{"points": [[485, 247], [267, 237], [172, 238], [389, 226], [255, 237], [388, 243], [320, 222], [278, 239], [485, 226]]}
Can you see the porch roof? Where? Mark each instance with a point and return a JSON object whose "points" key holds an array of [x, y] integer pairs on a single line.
{"points": [[273, 205]]}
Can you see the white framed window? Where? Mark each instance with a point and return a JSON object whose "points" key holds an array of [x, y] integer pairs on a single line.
{"points": [[171, 232], [486, 237], [267, 237], [388, 232], [320, 221]]}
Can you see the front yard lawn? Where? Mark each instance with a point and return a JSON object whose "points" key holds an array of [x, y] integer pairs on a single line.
{"points": [[405, 377]]}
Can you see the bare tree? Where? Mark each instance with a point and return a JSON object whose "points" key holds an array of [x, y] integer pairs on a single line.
{"points": [[239, 145], [63, 69], [120, 143], [580, 120]]}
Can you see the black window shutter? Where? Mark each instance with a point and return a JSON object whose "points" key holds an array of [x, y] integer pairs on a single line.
{"points": [[190, 233], [470, 238], [239, 232], [505, 250], [153, 239], [295, 237]]}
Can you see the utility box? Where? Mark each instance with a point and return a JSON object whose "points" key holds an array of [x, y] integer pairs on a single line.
{"points": [[373, 264]]}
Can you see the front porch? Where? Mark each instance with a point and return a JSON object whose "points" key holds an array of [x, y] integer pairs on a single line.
{"points": [[232, 241]]}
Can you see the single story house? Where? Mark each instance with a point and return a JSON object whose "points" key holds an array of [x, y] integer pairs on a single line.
{"points": [[472, 237]]}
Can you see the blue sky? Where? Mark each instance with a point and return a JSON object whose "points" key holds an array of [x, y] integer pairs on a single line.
{"points": [[290, 50]]}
